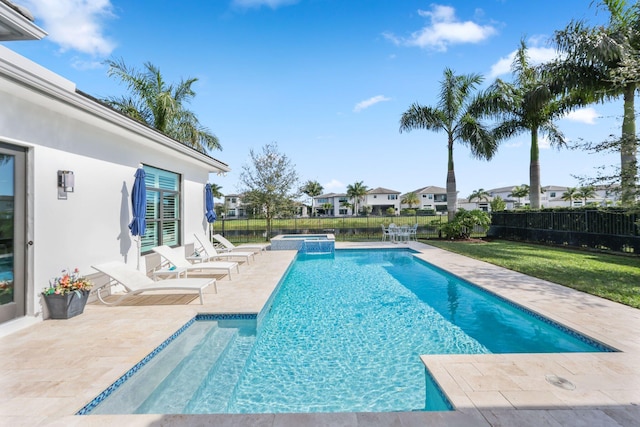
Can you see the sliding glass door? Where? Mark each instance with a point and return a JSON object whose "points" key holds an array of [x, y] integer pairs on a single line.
{"points": [[12, 232]]}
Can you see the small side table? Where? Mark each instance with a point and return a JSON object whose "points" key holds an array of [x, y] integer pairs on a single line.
{"points": [[167, 273]]}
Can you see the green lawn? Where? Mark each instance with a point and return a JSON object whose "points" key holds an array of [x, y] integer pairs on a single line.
{"points": [[615, 277]]}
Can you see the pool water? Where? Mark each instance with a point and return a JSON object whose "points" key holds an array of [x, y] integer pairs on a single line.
{"points": [[344, 334]]}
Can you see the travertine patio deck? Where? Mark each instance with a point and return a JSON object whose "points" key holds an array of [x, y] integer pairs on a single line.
{"points": [[52, 369]]}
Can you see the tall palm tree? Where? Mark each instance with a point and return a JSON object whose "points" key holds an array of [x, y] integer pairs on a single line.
{"points": [[587, 192], [410, 199], [160, 105], [312, 189], [528, 105], [356, 192], [479, 194], [520, 191], [454, 115], [605, 60], [569, 195]]}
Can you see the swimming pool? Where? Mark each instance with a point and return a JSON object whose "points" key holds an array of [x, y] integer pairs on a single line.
{"points": [[344, 334]]}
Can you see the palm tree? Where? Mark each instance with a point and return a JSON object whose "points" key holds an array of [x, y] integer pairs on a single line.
{"points": [[453, 115], [312, 189], [345, 204], [410, 199], [605, 60], [356, 192], [569, 195], [520, 192], [215, 191], [527, 105], [160, 105], [587, 192], [327, 207], [480, 194]]}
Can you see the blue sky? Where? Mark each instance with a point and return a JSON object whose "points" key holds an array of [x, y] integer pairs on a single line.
{"points": [[327, 80]]}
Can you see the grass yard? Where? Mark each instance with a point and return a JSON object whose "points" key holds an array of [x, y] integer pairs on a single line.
{"points": [[615, 277]]}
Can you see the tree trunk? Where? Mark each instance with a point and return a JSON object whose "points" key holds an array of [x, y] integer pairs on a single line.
{"points": [[628, 150], [534, 172], [451, 184]]}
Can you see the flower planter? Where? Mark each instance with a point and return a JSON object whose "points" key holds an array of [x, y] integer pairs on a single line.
{"points": [[66, 306]]}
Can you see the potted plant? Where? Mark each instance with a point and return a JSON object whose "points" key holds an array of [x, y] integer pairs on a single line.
{"points": [[67, 294]]}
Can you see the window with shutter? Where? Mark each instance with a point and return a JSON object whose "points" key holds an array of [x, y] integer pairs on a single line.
{"points": [[163, 209]]}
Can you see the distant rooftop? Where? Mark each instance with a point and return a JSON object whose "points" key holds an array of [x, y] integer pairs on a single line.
{"points": [[17, 23]]}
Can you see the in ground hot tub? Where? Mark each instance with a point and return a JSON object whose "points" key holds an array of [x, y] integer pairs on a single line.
{"points": [[310, 243]]}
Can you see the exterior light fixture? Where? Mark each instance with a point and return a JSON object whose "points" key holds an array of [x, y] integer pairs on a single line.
{"points": [[66, 183]]}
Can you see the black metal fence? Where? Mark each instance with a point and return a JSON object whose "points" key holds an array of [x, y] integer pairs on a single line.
{"points": [[357, 228], [616, 230]]}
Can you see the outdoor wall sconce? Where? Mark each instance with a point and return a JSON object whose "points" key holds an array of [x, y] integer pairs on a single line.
{"points": [[66, 183]]}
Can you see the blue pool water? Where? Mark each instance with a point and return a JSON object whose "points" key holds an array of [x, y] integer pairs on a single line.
{"points": [[344, 334]]}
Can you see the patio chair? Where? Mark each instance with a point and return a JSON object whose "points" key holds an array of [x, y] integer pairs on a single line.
{"points": [[136, 282], [402, 233], [385, 233], [413, 232], [211, 254], [257, 247], [181, 263], [393, 232]]}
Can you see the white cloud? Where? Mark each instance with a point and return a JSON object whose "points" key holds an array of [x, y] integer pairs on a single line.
{"points": [[543, 142], [273, 4], [369, 102], [80, 64], [334, 186], [537, 55], [583, 115], [514, 144], [443, 30], [75, 24]]}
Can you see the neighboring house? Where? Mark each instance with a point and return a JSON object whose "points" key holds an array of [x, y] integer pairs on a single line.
{"points": [[380, 200], [483, 205], [339, 204], [49, 129], [551, 197], [430, 197], [505, 194], [332, 204], [233, 207]]}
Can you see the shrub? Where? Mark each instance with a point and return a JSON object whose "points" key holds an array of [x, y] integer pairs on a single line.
{"points": [[464, 222]]}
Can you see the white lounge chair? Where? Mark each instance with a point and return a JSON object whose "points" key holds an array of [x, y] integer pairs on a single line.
{"points": [[136, 282], [210, 252], [257, 247], [182, 263]]}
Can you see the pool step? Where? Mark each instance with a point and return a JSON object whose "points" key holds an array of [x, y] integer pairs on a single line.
{"points": [[127, 398], [172, 394], [217, 388]]}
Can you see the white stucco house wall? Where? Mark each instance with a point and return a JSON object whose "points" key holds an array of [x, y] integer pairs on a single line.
{"points": [[233, 207], [380, 199], [336, 200], [47, 126]]}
